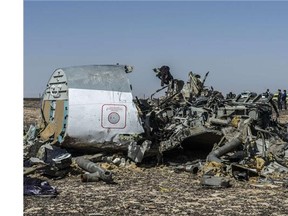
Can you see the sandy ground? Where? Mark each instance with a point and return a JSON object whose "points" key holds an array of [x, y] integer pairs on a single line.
{"points": [[156, 190]]}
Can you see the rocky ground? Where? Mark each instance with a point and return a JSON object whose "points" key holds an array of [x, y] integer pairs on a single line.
{"points": [[152, 190]]}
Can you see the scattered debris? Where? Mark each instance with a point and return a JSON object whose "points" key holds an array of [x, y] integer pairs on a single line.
{"points": [[242, 139], [38, 187], [136, 152], [96, 172]]}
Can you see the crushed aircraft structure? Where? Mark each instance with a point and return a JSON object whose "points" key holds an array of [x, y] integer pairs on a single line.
{"points": [[89, 106], [92, 108]]}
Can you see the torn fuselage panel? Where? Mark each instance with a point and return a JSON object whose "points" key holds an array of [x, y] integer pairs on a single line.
{"points": [[89, 104]]}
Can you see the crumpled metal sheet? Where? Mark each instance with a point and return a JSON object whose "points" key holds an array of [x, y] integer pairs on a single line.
{"points": [[136, 152], [246, 142], [249, 138]]}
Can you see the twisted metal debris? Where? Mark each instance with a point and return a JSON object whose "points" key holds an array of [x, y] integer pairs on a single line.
{"points": [[241, 129], [242, 138]]}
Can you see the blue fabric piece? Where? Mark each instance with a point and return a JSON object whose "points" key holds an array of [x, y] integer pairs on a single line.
{"points": [[38, 187]]}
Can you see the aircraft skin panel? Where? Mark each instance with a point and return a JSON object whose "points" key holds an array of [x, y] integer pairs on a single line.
{"points": [[46, 110], [100, 116], [59, 118]]}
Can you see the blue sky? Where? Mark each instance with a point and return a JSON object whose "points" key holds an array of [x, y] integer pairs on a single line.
{"points": [[244, 45]]}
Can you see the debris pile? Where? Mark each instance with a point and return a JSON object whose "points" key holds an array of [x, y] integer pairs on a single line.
{"points": [[246, 140], [242, 138]]}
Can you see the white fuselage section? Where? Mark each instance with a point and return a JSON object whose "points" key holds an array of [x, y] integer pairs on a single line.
{"points": [[100, 116]]}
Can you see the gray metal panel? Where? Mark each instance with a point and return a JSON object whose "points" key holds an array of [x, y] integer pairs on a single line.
{"points": [[98, 77], [57, 88]]}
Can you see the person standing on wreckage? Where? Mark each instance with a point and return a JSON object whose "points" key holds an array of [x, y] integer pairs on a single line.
{"points": [[267, 93], [283, 100], [279, 99]]}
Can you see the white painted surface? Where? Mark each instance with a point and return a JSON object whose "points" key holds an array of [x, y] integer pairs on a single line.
{"points": [[98, 116]]}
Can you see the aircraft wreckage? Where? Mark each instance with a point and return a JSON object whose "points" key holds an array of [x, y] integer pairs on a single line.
{"points": [[91, 108]]}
